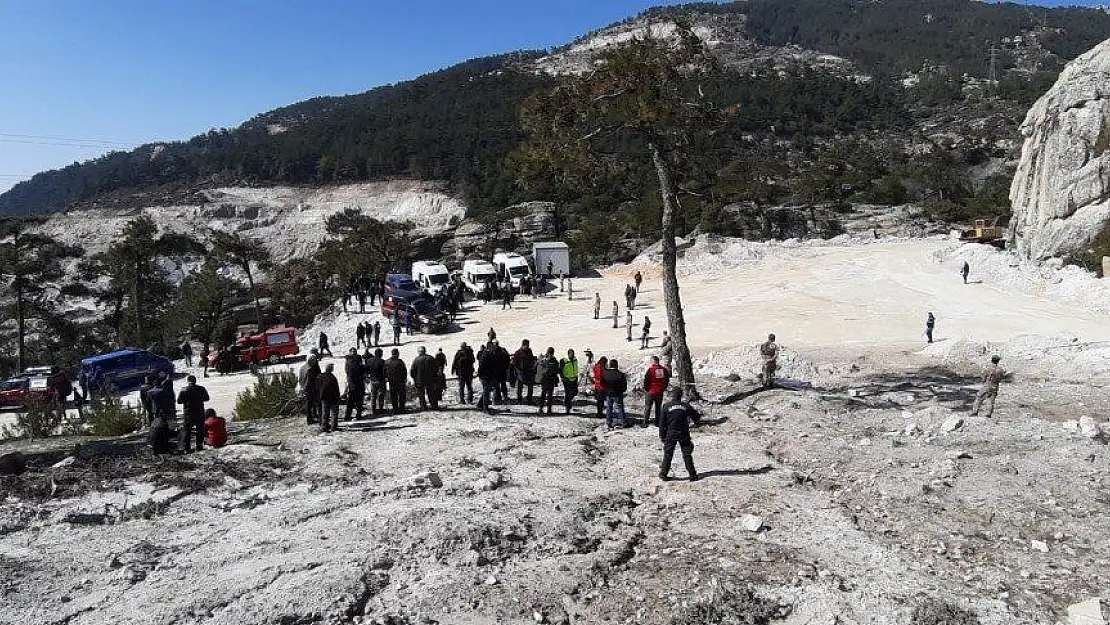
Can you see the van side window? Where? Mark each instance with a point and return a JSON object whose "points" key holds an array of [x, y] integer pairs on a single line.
{"points": [[277, 339]]}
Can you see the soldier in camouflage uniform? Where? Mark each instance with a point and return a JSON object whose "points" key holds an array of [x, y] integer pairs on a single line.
{"points": [[769, 351], [991, 379]]}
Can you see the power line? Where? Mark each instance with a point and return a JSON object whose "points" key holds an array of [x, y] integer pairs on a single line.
{"points": [[65, 139]]}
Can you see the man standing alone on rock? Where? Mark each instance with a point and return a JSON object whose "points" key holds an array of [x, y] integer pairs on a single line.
{"points": [[991, 380], [930, 323], [965, 271], [770, 353], [674, 429], [397, 376], [192, 399]]}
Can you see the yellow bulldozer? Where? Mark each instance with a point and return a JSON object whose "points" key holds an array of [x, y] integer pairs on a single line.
{"points": [[987, 231]]}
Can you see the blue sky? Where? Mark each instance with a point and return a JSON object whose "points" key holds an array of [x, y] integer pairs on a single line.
{"points": [[83, 76]]}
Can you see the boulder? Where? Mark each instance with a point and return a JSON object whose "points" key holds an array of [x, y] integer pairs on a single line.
{"points": [[1061, 190], [1091, 429], [1088, 612], [13, 463]]}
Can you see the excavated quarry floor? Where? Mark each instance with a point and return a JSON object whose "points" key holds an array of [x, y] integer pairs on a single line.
{"points": [[871, 510]]}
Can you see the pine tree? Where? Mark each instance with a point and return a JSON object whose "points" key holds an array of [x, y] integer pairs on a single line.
{"points": [[642, 94], [242, 252]]}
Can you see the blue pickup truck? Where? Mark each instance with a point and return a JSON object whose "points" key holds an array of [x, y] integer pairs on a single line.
{"points": [[123, 369]]}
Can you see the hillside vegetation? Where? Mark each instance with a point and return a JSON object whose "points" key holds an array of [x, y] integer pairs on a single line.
{"points": [[460, 124]]}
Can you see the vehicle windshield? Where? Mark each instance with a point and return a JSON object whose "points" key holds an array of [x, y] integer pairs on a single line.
{"points": [[405, 284], [424, 307], [485, 277], [8, 385], [438, 278], [518, 271]]}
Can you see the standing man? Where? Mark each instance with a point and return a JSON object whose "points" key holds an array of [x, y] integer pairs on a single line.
{"points": [[525, 363], [991, 380], [656, 381], [599, 384], [616, 314], [375, 371], [570, 288], [597, 306], [568, 369], [192, 399], [639, 278], [562, 278], [187, 352], [462, 366], [629, 297], [361, 301], [487, 375], [309, 373], [423, 375], [645, 336], [616, 385], [377, 334], [667, 349], [396, 328], [397, 376], [360, 334], [628, 323], [674, 429], [503, 362], [930, 323], [327, 387], [965, 271], [325, 348], [356, 385], [770, 353], [548, 373], [205, 353]]}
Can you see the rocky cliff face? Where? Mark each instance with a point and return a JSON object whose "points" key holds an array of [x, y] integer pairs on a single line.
{"points": [[1061, 191]]}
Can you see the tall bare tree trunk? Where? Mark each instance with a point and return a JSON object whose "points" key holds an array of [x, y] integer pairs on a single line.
{"points": [[22, 358], [254, 294], [676, 321], [136, 301]]}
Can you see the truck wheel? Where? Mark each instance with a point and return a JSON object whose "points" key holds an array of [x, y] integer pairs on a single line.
{"points": [[274, 359]]}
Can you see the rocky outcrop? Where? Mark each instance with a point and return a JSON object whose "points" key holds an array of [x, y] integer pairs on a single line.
{"points": [[513, 229], [1061, 191]]}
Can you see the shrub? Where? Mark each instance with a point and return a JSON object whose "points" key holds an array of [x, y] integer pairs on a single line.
{"points": [[273, 395], [731, 606], [37, 420], [111, 417]]}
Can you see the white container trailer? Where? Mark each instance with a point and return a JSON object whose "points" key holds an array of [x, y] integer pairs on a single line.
{"points": [[551, 258]]}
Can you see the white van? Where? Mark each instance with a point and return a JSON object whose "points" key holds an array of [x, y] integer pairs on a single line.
{"points": [[477, 275], [512, 266], [431, 275]]}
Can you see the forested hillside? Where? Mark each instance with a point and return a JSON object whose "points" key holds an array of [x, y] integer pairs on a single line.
{"points": [[460, 124]]}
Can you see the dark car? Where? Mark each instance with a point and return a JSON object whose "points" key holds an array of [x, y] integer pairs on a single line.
{"points": [[429, 318]]}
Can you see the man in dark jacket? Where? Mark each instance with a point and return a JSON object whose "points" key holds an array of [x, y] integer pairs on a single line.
{"points": [[375, 371], [162, 399], [524, 362], [327, 387], [161, 436], [423, 374], [487, 375], [360, 334], [144, 398], [397, 376], [356, 385], [192, 399], [377, 334], [324, 345], [674, 429], [309, 375], [463, 367], [547, 370], [504, 363], [616, 385]]}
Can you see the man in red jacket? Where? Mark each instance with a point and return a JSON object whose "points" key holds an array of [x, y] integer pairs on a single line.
{"points": [[599, 384], [216, 428], [656, 381]]}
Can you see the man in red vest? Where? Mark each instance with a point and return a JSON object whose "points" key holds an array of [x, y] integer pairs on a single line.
{"points": [[656, 381]]}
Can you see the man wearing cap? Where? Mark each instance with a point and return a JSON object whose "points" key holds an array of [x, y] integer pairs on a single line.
{"points": [[674, 429], [991, 380]]}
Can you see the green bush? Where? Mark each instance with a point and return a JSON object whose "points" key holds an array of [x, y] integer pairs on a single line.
{"points": [[273, 395], [111, 417], [37, 420]]}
